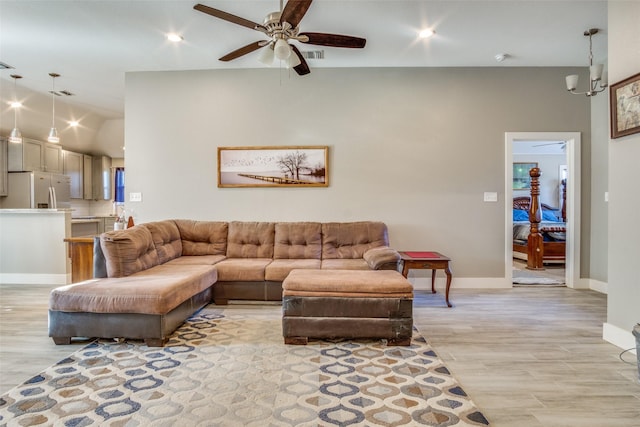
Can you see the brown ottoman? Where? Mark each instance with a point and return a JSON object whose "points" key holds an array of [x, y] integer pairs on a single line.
{"points": [[347, 304]]}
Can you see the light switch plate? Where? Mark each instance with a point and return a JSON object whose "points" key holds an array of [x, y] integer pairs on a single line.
{"points": [[490, 196], [135, 197]]}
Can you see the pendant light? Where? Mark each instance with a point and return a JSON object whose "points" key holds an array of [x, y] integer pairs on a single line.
{"points": [[597, 81], [15, 136], [53, 133]]}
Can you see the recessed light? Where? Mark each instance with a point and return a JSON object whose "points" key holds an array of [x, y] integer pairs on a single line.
{"points": [[173, 37], [426, 33], [74, 123], [15, 104]]}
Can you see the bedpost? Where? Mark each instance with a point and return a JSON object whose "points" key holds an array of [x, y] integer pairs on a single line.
{"points": [[535, 248], [563, 209]]}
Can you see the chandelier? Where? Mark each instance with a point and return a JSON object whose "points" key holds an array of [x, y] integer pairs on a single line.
{"points": [[596, 82]]}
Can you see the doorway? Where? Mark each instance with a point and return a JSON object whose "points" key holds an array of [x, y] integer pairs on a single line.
{"points": [[571, 141]]}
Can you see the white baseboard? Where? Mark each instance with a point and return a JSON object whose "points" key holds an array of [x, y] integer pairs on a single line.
{"points": [[35, 279], [596, 285], [618, 336]]}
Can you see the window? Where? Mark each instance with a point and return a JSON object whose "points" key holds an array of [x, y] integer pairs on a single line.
{"points": [[119, 185]]}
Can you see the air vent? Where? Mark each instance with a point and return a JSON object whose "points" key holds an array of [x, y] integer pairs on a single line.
{"points": [[313, 54], [4, 66], [61, 92]]}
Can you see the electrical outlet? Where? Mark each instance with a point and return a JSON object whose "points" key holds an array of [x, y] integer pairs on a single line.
{"points": [[490, 196], [135, 197]]}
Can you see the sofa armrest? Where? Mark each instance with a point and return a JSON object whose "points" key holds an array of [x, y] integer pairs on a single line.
{"points": [[382, 258], [99, 263]]}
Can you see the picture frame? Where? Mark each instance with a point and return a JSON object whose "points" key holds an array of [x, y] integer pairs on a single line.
{"points": [[521, 178], [273, 166], [624, 102]]}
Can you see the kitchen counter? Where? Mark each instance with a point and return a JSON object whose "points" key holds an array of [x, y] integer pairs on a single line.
{"points": [[32, 247], [89, 225]]}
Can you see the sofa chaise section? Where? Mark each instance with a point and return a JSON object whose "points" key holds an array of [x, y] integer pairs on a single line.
{"points": [[145, 296]]}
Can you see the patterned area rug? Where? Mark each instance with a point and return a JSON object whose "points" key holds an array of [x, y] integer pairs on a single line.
{"points": [[230, 367]]}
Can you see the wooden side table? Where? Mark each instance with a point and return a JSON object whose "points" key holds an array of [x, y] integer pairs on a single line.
{"points": [[428, 261]]}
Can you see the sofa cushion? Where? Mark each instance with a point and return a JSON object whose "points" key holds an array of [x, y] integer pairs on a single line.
{"points": [[280, 268], [344, 264], [203, 237], [350, 240], [242, 269], [298, 240], [128, 251], [157, 290], [250, 239], [197, 260], [372, 284], [166, 239]]}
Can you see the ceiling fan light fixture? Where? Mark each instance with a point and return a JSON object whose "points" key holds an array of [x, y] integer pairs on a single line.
{"points": [[282, 50], [267, 55]]}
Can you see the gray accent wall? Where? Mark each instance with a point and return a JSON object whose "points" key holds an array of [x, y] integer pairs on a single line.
{"points": [[413, 147]]}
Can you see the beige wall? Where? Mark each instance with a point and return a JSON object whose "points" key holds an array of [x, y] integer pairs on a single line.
{"points": [[415, 148], [623, 310]]}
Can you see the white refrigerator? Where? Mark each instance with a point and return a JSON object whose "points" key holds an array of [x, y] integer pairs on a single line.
{"points": [[38, 190]]}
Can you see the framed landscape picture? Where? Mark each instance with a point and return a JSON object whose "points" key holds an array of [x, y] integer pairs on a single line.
{"points": [[296, 166], [624, 100], [521, 178]]}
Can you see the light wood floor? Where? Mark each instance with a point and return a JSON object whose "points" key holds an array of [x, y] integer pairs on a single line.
{"points": [[527, 356]]}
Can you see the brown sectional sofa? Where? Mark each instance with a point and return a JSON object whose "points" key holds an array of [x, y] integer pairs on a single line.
{"points": [[159, 273]]}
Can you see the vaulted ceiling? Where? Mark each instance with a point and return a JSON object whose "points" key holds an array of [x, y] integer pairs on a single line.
{"points": [[92, 44]]}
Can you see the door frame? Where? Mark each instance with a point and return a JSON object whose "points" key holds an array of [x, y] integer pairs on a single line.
{"points": [[573, 140]]}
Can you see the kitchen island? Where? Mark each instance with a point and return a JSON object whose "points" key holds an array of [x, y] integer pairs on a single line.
{"points": [[32, 246]]}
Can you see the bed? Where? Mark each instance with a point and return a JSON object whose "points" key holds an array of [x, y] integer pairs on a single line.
{"points": [[551, 226]]}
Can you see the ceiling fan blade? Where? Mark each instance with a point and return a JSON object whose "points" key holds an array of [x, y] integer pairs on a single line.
{"points": [[294, 10], [550, 143], [303, 68], [243, 51], [229, 17], [334, 40]]}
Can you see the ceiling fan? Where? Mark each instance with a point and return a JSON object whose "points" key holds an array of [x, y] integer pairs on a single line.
{"points": [[280, 28]]}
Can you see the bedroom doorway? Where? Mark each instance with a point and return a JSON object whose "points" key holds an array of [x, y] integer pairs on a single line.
{"points": [[559, 154]]}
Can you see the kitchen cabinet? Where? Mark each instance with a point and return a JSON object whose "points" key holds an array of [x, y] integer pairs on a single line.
{"points": [[52, 157], [33, 156], [87, 177], [101, 178], [86, 227], [3, 167], [73, 164]]}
